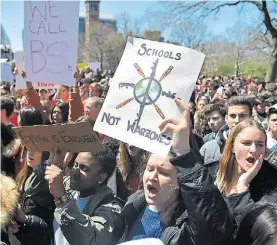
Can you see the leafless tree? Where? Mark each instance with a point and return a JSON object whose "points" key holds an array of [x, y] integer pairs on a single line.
{"points": [[189, 34], [103, 44], [179, 10]]}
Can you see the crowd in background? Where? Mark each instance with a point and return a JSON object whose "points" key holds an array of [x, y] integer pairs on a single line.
{"points": [[218, 184]]}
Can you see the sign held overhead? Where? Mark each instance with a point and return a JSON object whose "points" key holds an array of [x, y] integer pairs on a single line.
{"points": [[51, 41], [72, 137], [138, 100]]}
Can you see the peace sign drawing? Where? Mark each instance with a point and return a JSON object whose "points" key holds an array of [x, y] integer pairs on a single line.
{"points": [[147, 91]]}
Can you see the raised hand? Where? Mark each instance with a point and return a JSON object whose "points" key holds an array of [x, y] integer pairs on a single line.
{"points": [[54, 176], [246, 178], [179, 128], [57, 158]]}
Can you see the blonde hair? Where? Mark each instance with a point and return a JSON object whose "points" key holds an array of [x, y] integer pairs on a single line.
{"points": [[226, 162], [9, 199]]}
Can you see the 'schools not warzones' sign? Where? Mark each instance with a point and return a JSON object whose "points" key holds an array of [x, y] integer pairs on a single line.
{"points": [[150, 75]]}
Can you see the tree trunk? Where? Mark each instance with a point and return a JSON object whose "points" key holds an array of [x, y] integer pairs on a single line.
{"points": [[272, 65], [237, 68]]}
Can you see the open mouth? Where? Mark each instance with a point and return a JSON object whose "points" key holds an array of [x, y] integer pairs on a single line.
{"points": [[250, 160], [152, 191]]}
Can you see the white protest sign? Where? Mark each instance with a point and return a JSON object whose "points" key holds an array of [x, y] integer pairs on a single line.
{"points": [[149, 76], [20, 82], [94, 66], [51, 40], [6, 72]]}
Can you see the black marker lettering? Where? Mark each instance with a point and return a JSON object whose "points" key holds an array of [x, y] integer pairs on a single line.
{"points": [[143, 46], [148, 51], [166, 54], [160, 54], [131, 126], [178, 56], [64, 138]]}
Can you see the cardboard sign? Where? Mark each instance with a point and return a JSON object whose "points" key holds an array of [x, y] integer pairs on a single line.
{"points": [[94, 66], [51, 41], [20, 82], [138, 100], [72, 137], [6, 72]]}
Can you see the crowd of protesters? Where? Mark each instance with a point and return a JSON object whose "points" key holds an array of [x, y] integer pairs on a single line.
{"points": [[218, 184]]}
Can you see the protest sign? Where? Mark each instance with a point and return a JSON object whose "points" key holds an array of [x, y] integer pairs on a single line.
{"points": [[20, 82], [72, 137], [6, 72], [81, 65], [94, 66], [51, 40], [149, 76]]}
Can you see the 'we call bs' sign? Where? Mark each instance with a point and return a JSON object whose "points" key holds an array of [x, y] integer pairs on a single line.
{"points": [[51, 40]]}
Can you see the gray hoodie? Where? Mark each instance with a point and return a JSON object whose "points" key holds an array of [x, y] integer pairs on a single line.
{"points": [[211, 150]]}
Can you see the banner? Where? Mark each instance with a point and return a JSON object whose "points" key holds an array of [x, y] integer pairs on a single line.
{"points": [[138, 100], [6, 72], [72, 137], [51, 41], [20, 82]]}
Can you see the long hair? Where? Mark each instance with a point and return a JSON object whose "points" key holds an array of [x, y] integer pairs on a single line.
{"points": [[124, 165], [64, 107], [30, 116], [227, 160], [26, 171]]}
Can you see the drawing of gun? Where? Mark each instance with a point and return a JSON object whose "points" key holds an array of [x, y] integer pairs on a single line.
{"points": [[126, 85], [169, 94]]}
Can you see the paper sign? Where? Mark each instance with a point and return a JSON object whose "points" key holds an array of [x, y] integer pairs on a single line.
{"points": [[72, 137], [81, 65], [21, 82], [94, 66], [51, 40], [138, 100], [6, 72]]}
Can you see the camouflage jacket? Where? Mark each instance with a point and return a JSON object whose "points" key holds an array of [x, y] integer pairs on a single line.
{"points": [[100, 222]]}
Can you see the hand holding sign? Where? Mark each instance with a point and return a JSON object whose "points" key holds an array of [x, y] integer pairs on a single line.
{"points": [[57, 158], [180, 128], [54, 176]]}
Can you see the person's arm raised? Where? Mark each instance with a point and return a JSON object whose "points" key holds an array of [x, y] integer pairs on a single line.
{"points": [[76, 108], [33, 98], [210, 220]]}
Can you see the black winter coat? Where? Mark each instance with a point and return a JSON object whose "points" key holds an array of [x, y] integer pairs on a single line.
{"points": [[203, 216], [38, 204], [263, 188]]}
